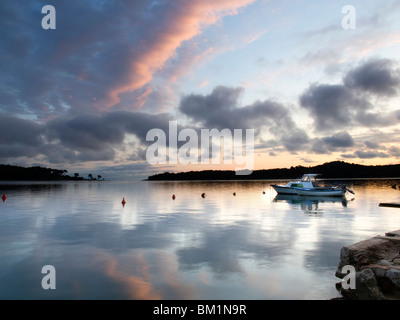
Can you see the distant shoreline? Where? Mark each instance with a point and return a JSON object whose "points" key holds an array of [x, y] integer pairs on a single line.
{"points": [[328, 171], [18, 173]]}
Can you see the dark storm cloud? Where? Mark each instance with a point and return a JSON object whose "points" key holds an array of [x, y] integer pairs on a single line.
{"points": [[98, 131], [19, 131], [221, 109], [350, 104], [337, 141], [19, 137], [291, 137], [81, 138], [377, 76], [96, 137], [332, 106]]}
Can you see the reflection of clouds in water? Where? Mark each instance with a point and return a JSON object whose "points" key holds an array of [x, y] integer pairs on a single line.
{"points": [[96, 274], [106, 235], [138, 287], [136, 274], [219, 251], [247, 246], [223, 248], [168, 279]]}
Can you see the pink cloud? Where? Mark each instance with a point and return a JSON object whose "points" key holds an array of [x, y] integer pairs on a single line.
{"points": [[182, 22]]}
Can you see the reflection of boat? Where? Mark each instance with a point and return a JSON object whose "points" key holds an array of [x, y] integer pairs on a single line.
{"points": [[321, 192], [291, 198], [307, 201], [308, 181], [296, 199]]}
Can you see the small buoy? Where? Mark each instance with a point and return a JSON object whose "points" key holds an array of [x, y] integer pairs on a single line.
{"points": [[123, 202], [173, 197], [263, 192], [203, 195], [4, 197], [234, 193]]}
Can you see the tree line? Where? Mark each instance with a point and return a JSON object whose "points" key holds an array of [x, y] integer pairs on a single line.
{"points": [[10, 172], [329, 170]]}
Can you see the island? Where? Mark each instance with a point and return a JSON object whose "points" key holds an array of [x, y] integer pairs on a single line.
{"points": [[37, 173], [328, 170]]}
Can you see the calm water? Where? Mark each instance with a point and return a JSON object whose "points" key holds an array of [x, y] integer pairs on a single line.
{"points": [[248, 246]]}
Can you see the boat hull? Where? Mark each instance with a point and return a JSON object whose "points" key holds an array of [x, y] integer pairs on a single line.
{"points": [[320, 192], [284, 190]]}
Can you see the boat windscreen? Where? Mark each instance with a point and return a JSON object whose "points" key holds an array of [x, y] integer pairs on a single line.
{"points": [[314, 182]]}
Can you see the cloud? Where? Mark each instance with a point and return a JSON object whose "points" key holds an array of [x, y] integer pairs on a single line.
{"points": [[77, 139], [19, 131], [350, 103], [73, 94], [394, 151], [366, 155], [19, 137], [181, 21], [331, 106], [337, 141], [99, 55], [221, 109], [377, 76], [372, 145]]}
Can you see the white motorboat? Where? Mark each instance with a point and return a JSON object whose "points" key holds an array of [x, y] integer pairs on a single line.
{"points": [[321, 192], [308, 181]]}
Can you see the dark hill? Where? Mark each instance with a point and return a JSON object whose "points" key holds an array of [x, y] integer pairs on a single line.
{"points": [[8, 172], [329, 170]]}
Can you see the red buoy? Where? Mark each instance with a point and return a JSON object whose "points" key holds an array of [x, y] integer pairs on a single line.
{"points": [[123, 202], [173, 197], [4, 197]]}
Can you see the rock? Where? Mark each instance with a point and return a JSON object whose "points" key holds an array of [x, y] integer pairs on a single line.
{"points": [[394, 276], [376, 270], [379, 270], [345, 254], [367, 286]]}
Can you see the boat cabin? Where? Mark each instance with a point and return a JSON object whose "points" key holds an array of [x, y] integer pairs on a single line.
{"points": [[310, 180]]}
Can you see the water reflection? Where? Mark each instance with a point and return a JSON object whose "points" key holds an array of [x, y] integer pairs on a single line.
{"points": [[251, 245], [311, 205]]}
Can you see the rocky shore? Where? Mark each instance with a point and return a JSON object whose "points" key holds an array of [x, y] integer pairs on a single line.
{"points": [[373, 266]]}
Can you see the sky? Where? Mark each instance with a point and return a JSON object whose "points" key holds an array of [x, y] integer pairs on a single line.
{"points": [[316, 82]]}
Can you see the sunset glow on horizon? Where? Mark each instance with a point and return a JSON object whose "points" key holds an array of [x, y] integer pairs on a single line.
{"points": [[83, 96]]}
